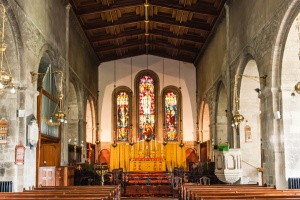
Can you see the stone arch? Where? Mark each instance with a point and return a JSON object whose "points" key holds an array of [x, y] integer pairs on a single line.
{"points": [[15, 35], [204, 122], [191, 156], [277, 97], [104, 156], [250, 128], [221, 118], [90, 121], [289, 109]]}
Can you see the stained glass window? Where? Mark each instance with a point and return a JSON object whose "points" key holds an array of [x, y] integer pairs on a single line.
{"points": [[122, 116], [146, 108], [171, 116]]}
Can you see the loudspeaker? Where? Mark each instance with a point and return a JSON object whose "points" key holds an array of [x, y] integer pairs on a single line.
{"points": [[277, 115]]}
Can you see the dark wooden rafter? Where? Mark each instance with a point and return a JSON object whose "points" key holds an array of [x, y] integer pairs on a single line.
{"points": [[200, 7], [137, 28], [189, 24], [126, 19], [123, 46], [134, 33], [87, 10], [116, 57]]}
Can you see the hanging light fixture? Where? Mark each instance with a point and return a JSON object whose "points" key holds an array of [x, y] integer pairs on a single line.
{"points": [[237, 117], [58, 111], [6, 80]]}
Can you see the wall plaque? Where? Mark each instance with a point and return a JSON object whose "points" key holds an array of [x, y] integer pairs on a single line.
{"points": [[3, 131], [20, 154]]}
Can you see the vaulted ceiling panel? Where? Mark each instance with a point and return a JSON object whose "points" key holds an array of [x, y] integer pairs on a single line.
{"points": [[176, 29]]}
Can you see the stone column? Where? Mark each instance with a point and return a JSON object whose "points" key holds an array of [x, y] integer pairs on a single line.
{"points": [[64, 138]]}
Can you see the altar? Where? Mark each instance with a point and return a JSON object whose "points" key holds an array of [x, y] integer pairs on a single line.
{"points": [[147, 164], [147, 156]]}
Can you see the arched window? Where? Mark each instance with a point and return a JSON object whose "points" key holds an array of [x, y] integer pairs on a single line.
{"points": [[122, 113], [49, 102], [89, 123], [171, 106], [146, 82]]}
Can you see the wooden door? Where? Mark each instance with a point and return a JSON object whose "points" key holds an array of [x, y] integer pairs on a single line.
{"points": [[204, 151], [46, 176], [51, 154]]}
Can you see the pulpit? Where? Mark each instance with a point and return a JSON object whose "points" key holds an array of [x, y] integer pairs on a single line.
{"points": [[228, 166]]}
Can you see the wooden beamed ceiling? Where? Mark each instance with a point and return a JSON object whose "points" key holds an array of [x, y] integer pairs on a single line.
{"points": [[175, 29]]}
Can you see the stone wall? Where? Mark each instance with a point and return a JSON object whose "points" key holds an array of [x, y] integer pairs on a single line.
{"points": [[251, 29], [33, 29]]}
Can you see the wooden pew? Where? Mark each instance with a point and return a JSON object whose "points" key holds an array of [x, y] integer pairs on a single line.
{"points": [[198, 192], [67, 193], [115, 189], [187, 190]]}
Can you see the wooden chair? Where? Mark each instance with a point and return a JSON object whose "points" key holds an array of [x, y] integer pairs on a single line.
{"points": [[176, 185], [204, 180]]}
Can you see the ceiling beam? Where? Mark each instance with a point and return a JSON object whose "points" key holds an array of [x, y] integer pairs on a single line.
{"points": [[136, 33], [124, 34], [189, 38], [97, 8], [125, 19], [123, 46], [195, 8], [188, 24]]}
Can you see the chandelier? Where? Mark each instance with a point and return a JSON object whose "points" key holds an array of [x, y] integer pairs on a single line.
{"points": [[6, 80], [237, 117], [58, 111]]}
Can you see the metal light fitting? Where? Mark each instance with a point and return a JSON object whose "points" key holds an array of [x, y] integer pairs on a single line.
{"points": [[6, 80]]}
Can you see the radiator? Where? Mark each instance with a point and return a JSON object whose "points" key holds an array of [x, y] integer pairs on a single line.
{"points": [[294, 183], [5, 186]]}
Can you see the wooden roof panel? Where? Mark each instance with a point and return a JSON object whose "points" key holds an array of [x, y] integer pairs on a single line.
{"points": [[176, 29]]}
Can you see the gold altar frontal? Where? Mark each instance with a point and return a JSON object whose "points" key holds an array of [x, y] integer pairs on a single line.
{"points": [[147, 156], [147, 164]]}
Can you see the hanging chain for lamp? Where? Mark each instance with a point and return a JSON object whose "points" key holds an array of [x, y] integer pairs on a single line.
{"points": [[115, 73], [237, 117], [6, 80]]}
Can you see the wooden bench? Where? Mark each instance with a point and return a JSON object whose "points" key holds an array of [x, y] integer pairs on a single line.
{"points": [[198, 192], [67, 192]]}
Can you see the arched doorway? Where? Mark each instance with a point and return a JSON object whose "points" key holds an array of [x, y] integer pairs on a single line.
{"points": [[221, 119], [290, 74], [90, 131], [205, 147], [191, 156], [250, 128]]}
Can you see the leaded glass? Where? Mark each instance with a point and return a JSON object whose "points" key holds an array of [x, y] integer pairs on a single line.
{"points": [[146, 108], [122, 116], [171, 116]]}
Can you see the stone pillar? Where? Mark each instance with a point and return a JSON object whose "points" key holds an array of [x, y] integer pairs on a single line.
{"points": [[82, 136], [64, 135], [278, 143]]}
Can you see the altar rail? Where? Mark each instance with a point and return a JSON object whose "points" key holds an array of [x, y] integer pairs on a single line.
{"points": [[147, 183]]}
